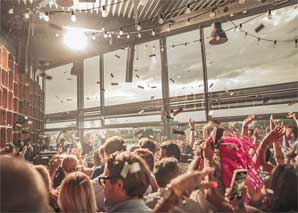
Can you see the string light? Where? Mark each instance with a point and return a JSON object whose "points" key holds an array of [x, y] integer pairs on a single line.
{"points": [[161, 20], [93, 36], [139, 28], [187, 23], [105, 35], [241, 1], [169, 28], [153, 32], [118, 36], [110, 35], [46, 17], [27, 15], [73, 17], [128, 36], [139, 35], [104, 12], [269, 14], [188, 10], [121, 31]]}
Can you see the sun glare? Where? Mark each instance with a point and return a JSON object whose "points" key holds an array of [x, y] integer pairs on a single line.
{"points": [[75, 39]]}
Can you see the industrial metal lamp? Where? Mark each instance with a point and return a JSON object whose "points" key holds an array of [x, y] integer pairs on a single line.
{"points": [[218, 36]]}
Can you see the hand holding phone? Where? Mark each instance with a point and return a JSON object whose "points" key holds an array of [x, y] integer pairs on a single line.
{"points": [[237, 184]]}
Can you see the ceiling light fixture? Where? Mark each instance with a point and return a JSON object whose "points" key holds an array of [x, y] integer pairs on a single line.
{"points": [[188, 10], [75, 39], [218, 36], [139, 28], [121, 31]]}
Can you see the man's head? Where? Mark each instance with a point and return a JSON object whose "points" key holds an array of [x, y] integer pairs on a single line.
{"points": [[169, 149], [69, 164], [22, 188], [166, 170], [291, 133], [114, 144], [147, 143], [147, 156], [126, 176]]}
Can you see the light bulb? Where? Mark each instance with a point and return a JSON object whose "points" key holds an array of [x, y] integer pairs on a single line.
{"points": [[93, 36], [139, 35], [139, 28], [241, 1], [105, 35], [169, 28], [187, 22], [128, 36], [118, 36], [269, 14], [161, 20], [212, 14], [110, 35], [121, 31], [188, 10], [104, 12], [73, 17], [46, 17], [27, 15], [153, 32]]}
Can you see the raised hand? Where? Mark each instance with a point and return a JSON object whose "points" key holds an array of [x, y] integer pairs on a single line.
{"points": [[191, 123], [248, 120], [274, 135]]}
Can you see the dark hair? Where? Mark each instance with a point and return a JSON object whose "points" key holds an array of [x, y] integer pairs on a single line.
{"points": [[284, 185], [172, 149], [165, 170], [8, 148], [136, 183], [147, 157], [114, 144], [294, 131], [147, 143]]}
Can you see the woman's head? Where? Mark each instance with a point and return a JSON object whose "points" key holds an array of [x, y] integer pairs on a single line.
{"points": [[284, 186], [42, 170], [77, 194]]}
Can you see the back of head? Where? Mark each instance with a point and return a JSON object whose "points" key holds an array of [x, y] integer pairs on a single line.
{"points": [[77, 194], [284, 185], [147, 156], [147, 143], [69, 163], [22, 189], [42, 170], [9, 148], [137, 175], [172, 149], [114, 144], [166, 170]]}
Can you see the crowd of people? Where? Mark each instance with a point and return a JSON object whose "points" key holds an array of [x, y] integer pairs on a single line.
{"points": [[154, 177]]}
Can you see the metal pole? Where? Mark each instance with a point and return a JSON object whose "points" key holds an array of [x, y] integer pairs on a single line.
{"points": [[102, 90], [205, 77], [165, 87], [80, 98], [129, 63]]}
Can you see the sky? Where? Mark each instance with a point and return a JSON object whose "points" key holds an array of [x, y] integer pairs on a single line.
{"points": [[240, 62]]}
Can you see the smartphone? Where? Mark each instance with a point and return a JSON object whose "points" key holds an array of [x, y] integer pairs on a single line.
{"points": [[218, 133], [237, 184]]}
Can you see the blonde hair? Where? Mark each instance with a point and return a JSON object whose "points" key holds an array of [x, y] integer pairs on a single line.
{"points": [[77, 194]]}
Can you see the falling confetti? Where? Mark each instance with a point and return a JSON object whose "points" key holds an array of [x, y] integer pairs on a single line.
{"points": [[114, 84], [117, 56], [153, 87], [259, 28], [172, 80], [88, 98], [211, 85], [152, 55], [152, 97], [98, 82], [69, 79], [112, 75], [136, 70], [141, 87], [137, 76], [68, 99], [48, 77], [178, 132]]}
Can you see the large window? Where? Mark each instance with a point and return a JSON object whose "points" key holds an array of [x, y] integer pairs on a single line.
{"points": [[91, 82], [61, 91]]}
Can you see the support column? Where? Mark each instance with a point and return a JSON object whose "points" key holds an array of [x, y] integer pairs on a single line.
{"points": [[205, 77], [129, 63], [79, 68], [165, 87], [102, 89]]}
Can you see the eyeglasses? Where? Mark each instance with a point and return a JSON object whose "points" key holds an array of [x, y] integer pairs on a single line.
{"points": [[102, 179]]}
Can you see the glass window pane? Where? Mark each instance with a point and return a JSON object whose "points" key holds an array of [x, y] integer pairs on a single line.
{"points": [[91, 82], [61, 91], [243, 61], [185, 64]]}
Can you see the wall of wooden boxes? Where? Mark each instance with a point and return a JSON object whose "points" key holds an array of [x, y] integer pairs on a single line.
{"points": [[20, 96]]}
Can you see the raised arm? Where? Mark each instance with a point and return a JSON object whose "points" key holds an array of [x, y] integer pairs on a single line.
{"points": [[245, 123]]}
